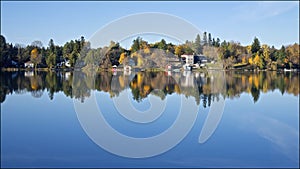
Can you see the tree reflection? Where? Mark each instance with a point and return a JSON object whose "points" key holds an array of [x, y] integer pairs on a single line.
{"points": [[204, 87]]}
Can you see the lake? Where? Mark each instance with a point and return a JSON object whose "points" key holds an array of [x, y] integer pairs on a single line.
{"points": [[150, 119]]}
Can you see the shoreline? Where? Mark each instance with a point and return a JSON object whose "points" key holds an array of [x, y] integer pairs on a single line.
{"points": [[145, 70]]}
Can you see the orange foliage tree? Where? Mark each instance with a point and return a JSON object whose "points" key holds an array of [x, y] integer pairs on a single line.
{"points": [[35, 58]]}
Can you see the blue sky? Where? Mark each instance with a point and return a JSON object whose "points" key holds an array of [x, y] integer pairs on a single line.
{"points": [[274, 23]]}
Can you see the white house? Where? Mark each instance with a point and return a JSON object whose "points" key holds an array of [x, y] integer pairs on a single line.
{"points": [[189, 59], [29, 64]]}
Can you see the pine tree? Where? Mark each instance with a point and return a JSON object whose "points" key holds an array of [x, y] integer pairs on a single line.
{"points": [[255, 45], [218, 42], [209, 40], [205, 39], [197, 45]]}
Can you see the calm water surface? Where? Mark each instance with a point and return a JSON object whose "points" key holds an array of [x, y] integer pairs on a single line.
{"points": [[258, 127]]}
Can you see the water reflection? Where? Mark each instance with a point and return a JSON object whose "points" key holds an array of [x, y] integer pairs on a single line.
{"points": [[204, 87], [263, 134]]}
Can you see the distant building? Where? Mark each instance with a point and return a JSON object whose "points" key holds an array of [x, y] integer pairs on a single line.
{"points": [[200, 59], [188, 59], [29, 64], [193, 61]]}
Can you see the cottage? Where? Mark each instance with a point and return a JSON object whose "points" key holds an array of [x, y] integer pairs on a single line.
{"points": [[188, 59], [195, 61], [29, 64], [201, 59]]}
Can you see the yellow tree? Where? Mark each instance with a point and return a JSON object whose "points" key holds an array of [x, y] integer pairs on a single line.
{"points": [[244, 60], [146, 50], [293, 54], [258, 61], [250, 60], [266, 54], [35, 58], [179, 50], [249, 49], [266, 51]]}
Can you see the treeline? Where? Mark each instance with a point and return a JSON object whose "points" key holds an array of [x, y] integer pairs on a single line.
{"points": [[17, 55], [230, 54], [257, 56]]}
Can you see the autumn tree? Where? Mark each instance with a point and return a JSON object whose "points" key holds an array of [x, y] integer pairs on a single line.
{"points": [[35, 58], [258, 61], [293, 57], [266, 55], [179, 50], [211, 52]]}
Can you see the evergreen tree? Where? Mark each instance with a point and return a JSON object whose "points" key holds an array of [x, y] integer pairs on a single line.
{"points": [[3, 51], [197, 45], [51, 46], [136, 44], [51, 58], [213, 43], [255, 45], [218, 42], [205, 39], [162, 45], [209, 40]]}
